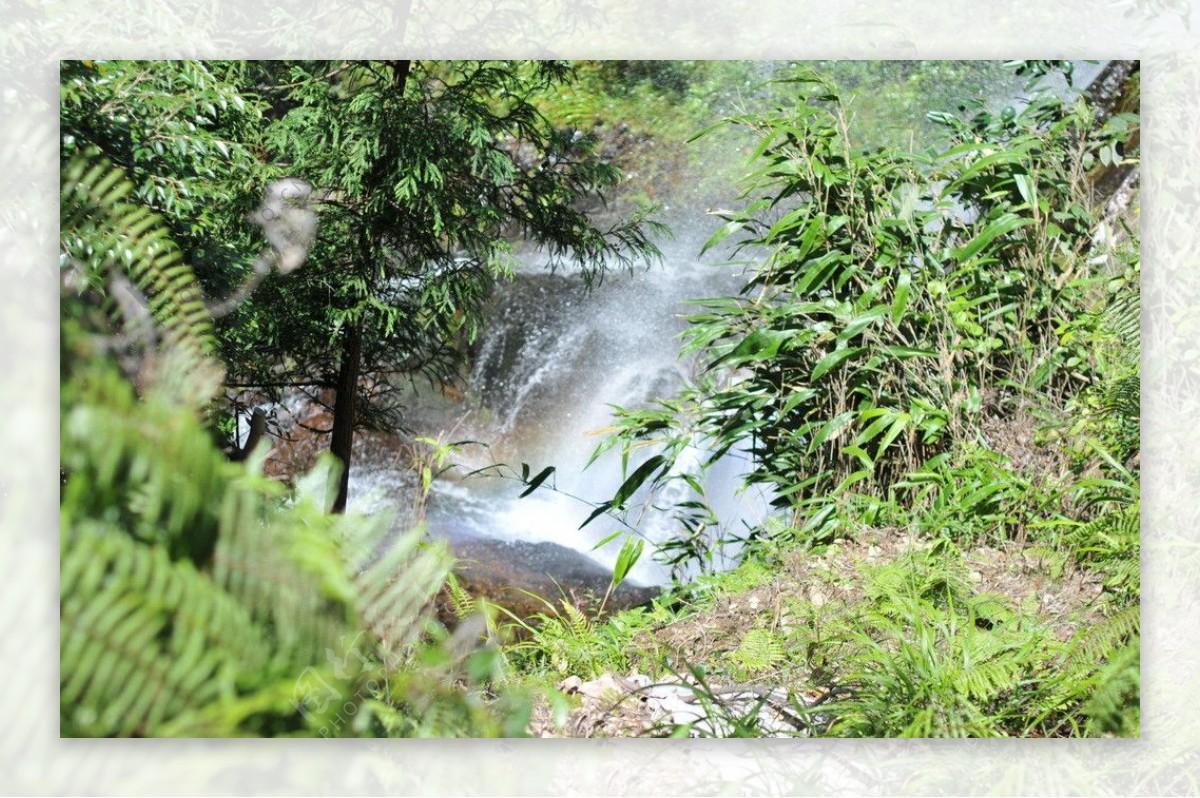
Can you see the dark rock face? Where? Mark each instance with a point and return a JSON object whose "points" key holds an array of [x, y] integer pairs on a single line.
{"points": [[506, 572]]}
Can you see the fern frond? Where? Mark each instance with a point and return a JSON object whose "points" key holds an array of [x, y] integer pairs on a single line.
{"points": [[146, 464], [993, 663], [1122, 317], [103, 233], [462, 603], [1114, 707], [315, 695], [143, 637], [393, 594], [759, 650], [193, 600], [575, 622], [1123, 399], [163, 536], [1098, 642], [1111, 545]]}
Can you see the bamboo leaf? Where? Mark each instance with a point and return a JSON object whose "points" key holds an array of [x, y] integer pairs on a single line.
{"points": [[603, 507], [1003, 225], [861, 323], [900, 303], [905, 352], [830, 427], [607, 540], [631, 552], [834, 359], [635, 480], [761, 344], [898, 425], [1027, 189], [538, 479]]}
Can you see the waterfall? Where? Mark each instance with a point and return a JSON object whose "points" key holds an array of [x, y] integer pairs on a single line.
{"points": [[554, 360]]}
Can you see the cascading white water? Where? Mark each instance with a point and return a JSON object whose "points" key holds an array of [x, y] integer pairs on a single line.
{"points": [[553, 362]]}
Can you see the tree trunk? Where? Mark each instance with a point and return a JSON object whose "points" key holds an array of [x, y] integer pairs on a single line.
{"points": [[345, 405], [1109, 88], [1117, 89], [258, 428], [345, 408]]}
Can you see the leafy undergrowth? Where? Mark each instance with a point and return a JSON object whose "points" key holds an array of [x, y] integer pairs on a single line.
{"points": [[999, 596], [646, 114], [889, 634]]}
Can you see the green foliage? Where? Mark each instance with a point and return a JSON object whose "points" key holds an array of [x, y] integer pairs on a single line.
{"points": [[910, 647], [646, 112], [196, 598], [431, 173], [566, 641], [110, 242], [1107, 413], [888, 101], [119, 598], [926, 656], [1094, 689], [907, 318], [672, 77], [749, 574], [189, 592], [1111, 545], [188, 136], [651, 109], [1114, 708], [760, 650], [563, 640], [428, 175], [974, 496], [900, 301]]}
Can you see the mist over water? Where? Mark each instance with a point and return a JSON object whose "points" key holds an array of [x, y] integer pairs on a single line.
{"points": [[553, 361]]}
